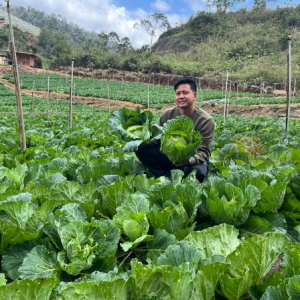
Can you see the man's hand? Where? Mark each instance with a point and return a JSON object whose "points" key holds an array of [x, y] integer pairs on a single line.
{"points": [[181, 164], [189, 162]]}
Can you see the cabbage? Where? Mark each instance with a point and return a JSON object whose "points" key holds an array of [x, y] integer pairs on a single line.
{"points": [[136, 130], [135, 127], [179, 141]]}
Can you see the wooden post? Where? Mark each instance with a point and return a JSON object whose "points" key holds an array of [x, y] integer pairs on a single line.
{"points": [[74, 90], [17, 84], [201, 95], [148, 99], [56, 104], [225, 104], [71, 96], [228, 98], [48, 95], [108, 98], [294, 90], [260, 94], [32, 99], [289, 85]]}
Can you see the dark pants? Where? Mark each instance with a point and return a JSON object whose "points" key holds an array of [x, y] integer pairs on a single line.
{"points": [[159, 164]]}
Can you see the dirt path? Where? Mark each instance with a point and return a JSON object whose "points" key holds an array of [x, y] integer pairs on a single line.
{"points": [[267, 111], [91, 101]]}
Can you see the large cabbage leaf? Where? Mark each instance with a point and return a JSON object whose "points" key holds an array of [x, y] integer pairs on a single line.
{"points": [[179, 141], [135, 127]]}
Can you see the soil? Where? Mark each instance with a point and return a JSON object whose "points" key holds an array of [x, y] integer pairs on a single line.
{"points": [[266, 111]]}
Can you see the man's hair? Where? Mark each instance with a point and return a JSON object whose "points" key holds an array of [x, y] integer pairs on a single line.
{"points": [[189, 81]]}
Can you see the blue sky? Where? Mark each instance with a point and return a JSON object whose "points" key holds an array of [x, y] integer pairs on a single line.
{"points": [[120, 15]]}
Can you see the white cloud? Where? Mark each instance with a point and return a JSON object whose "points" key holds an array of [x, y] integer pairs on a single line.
{"points": [[196, 5], [161, 6], [99, 16]]}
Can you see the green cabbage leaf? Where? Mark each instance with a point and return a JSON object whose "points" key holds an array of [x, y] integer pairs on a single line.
{"points": [[179, 141]]}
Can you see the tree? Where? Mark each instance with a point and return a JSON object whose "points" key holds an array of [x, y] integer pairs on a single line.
{"points": [[223, 5], [261, 4], [62, 53], [153, 23], [125, 46], [114, 41], [103, 40]]}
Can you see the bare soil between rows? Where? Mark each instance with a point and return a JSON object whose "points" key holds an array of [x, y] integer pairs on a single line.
{"points": [[266, 111]]}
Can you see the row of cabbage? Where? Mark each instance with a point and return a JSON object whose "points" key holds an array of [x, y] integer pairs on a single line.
{"points": [[264, 101], [117, 90], [82, 219], [37, 104]]}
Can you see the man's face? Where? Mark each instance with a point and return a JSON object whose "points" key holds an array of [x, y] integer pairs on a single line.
{"points": [[184, 96]]}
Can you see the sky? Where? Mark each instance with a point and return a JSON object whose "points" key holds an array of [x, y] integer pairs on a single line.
{"points": [[118, 15]]}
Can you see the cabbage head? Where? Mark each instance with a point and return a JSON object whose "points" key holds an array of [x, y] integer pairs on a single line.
{"points": [[179, 141], [136, 130], [135, 127]]}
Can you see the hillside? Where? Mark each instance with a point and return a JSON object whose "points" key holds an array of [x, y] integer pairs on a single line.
{"points": [[251, 44], [19, 23]]}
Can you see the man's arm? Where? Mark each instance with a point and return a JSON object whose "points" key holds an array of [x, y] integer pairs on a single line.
{"points": [[207, 130]]}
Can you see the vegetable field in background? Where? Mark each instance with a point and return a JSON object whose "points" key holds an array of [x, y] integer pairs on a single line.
{"points": [[116, 90], [81, 219], [8, 103]]}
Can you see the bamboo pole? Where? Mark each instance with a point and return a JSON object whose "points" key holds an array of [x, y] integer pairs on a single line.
{"points": [[71, 95], [17, 84], [289, 85], [225, 104]]}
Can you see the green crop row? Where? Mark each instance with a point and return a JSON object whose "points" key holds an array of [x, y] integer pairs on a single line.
{"points": [[140, 93]]}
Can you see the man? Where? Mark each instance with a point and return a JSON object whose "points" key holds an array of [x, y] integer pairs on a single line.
{"points": [[157, 162]]}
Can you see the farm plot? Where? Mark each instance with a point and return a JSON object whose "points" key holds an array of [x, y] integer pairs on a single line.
{"points": [[137, 93], [36, 104], [82, 219], [264, 101]]}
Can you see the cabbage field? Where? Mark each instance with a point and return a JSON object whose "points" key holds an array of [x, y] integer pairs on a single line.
{"points": [[82, 219], [117, 90]]}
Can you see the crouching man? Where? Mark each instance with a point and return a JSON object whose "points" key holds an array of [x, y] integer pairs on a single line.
{"points": [[156, 161]]}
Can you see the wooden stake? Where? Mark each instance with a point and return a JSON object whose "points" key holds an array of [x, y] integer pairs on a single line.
{"points": [[289, 85], [148, 100], [225, 104], [48, 94], [71, 95], [17, 84], [294, 90], [56, 99], [32, 99], [108, 98]]}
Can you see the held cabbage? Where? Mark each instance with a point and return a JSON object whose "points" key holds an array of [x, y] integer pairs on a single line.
{"points": [[136, 130], [179, 141], [135, 127]]}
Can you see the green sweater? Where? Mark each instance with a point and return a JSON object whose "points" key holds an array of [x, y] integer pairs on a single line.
{"points": [[203, 123]]}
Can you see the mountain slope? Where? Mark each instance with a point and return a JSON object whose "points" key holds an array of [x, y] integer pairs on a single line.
{"points": [[22, 25]]}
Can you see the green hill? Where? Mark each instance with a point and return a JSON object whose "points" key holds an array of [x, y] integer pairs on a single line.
{"points": [[22, 25], [252, 44]]}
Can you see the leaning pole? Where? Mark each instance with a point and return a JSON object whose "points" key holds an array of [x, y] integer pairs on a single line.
{"points": [[17, 82]]}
